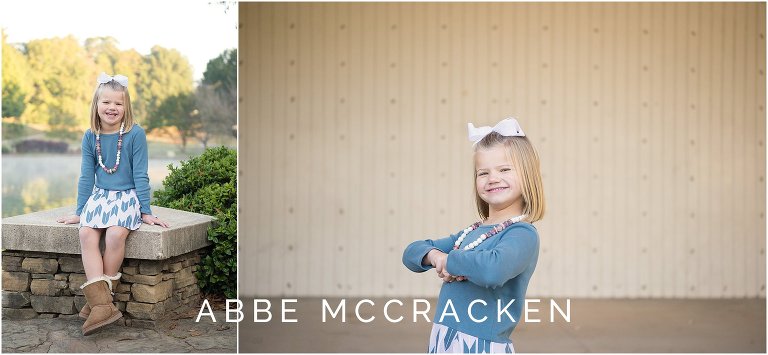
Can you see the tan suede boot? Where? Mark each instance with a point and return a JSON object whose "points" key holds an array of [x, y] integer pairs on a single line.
{"points": [[115, 282], [103, 312]]}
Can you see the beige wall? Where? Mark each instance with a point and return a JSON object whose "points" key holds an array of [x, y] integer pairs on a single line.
{"points": [[649, 119]]}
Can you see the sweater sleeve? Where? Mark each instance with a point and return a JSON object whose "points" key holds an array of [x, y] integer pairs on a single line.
{"points": [[493, 267], [415, 252], [87, 172], [140, 166]]}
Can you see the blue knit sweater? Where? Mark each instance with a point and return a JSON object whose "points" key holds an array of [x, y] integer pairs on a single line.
{"points": [[131, 174], [497, 271]]}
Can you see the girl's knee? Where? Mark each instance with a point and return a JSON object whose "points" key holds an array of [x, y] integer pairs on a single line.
{"points": [[89, 235]]}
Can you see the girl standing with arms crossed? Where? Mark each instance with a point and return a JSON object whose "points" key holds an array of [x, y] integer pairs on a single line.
{"points": [[112, 198], [490, 262]]}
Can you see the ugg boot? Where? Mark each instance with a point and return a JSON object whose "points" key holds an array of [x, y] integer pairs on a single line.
{"points": [[103, 312], [115, 282]]}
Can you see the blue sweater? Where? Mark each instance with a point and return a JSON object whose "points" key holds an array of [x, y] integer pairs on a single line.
{"points": [[131, 174], [497, 271]]}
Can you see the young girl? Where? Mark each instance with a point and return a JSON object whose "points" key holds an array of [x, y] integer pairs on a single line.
{"points": [[111, 197], [487, 265]]}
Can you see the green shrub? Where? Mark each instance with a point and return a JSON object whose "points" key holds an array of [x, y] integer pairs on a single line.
{"points": [[207, 184]]}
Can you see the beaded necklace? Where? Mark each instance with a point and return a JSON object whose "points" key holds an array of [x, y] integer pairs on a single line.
{"points": [[496, 229], [119, 145]]}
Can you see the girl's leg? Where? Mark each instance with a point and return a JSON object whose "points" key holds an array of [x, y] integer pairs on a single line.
{"points": [[89, 250], [115, 249]]}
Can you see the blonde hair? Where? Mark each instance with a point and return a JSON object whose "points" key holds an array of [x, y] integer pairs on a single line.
{"points": [[526, 162], [128, 113]]}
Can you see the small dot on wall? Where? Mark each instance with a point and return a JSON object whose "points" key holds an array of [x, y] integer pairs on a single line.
{"points": [[341, 137], [693, 215], [595, 103], [494, 27], [762, 36], [341, 248], [292, 62], [293, 99], [543, 102], [290, 247], [693, 142], [442, 211], [341, 211], [342, 64], [596, 67], [494, 64], [642, 287], [693, 70], [594, 250], [392, 137], [392, 101], [691, 179], [391, 212], [290, 209], [444, 26], [596, 30], [342, 26], [692, 251], [442, 137], [338, 286], [288, 285], [725, 287], [644, 250], [645, 68], [760, 107], [644, 213], [290, 136], [545, 28], [760, 72], [445, 64], [762, 287], [594, 287], [393, 27], [342, 100], [393, 65], [693, 33], [645, 31], [443, 101], [693, 288], [292, 25], [645, 104]]}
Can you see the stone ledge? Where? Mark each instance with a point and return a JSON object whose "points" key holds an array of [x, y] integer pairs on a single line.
{"points": [[39, 232]]}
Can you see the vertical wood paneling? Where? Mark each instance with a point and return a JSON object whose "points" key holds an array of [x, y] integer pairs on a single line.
{"points": [[649, 119]]}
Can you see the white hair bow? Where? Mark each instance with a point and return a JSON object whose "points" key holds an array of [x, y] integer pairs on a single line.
{"points": [[120, 79], [507, 127]]}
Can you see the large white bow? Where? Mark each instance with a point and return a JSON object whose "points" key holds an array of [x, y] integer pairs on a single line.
{"points": [[120, 79], [507, 127]]}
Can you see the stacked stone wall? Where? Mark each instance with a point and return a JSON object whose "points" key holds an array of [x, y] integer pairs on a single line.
{"points": [[47, 285]]}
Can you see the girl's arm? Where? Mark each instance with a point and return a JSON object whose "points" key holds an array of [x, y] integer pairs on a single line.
{"points": [[140, 166], [493, 267], [414, 254], [87, 172]]}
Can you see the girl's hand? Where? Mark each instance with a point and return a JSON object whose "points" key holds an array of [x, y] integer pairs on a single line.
{"points": [[152, 220], [69, 219], [438, 259]]}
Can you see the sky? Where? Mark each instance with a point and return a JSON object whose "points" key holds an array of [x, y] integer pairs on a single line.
{"points": [[199, 29]]}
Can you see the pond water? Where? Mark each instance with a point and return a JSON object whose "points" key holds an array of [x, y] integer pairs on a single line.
{"points": [[37, 182]]}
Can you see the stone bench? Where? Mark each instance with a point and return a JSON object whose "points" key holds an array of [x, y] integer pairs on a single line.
{"points": [[42, 269]]}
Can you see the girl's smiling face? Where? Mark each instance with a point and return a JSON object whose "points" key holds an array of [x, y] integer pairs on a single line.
{"points": [[496, 180], [111, 109]]}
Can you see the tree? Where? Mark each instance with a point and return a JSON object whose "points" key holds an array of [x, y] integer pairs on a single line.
{"points": [[58, 67], [216, 115], [221, 73], [177, 111], [166, 73], [17, 86]]}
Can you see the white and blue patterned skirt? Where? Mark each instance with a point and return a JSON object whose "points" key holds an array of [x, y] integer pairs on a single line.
{"points": [[107, 208], [448, 340]]}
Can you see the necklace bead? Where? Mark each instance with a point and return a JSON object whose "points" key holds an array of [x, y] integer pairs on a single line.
{"points": [[495, 230], [119, 146]]}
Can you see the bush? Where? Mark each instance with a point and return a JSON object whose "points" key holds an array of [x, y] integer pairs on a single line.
{"points": [[207, 184]]}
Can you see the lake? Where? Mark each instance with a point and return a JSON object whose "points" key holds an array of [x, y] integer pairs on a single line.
{"points": [[36, 182]]}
